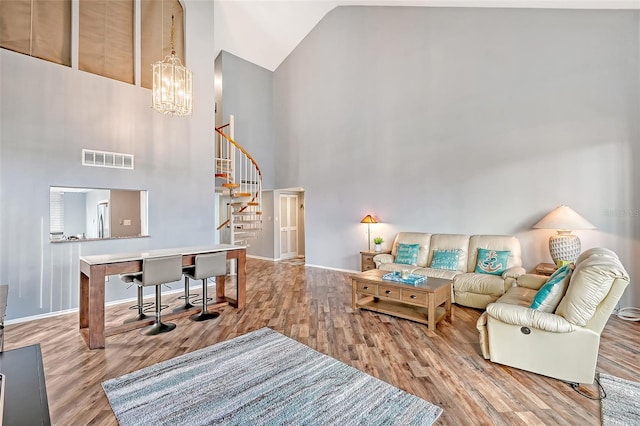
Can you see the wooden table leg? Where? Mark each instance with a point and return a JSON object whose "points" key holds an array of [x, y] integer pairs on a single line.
{"points": [[447, 305], [241, 278], [354, 295], [96, 307], [431, 314], [220, 286], [84, 301]]}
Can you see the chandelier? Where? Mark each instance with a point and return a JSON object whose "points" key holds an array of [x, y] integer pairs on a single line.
{"points": [[171, 84]]}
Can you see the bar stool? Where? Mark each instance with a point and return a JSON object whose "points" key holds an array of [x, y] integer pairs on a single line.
{"points": [[187, 296], [141, 306], [207, 266], [155, 272]]}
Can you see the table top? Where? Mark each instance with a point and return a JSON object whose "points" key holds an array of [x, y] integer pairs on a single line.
{"points": [[375, 276], [101, 259], [26, 393]]}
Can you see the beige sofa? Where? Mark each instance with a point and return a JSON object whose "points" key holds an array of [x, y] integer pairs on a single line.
{"points": [[563, 342], [469, 288]]}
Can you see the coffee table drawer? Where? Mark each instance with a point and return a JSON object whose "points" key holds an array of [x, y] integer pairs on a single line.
{"points": [[416, 297], [389, 292], [368, 288]]}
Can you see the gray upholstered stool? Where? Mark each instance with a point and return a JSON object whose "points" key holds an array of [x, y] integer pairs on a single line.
{"points": [[207, 266], [155, 272], [141, 306]]}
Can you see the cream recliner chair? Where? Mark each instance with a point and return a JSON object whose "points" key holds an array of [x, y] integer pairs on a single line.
{"points": [[562, 344]]}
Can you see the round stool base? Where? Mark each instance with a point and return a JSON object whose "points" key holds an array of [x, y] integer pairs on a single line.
{"points": [[158, 328], [204, 316]]}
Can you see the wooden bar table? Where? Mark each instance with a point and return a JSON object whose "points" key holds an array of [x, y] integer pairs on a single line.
{"points": [[94, 269]]}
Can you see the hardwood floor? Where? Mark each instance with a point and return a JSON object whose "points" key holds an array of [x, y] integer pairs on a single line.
{"points": [[313, 306]]}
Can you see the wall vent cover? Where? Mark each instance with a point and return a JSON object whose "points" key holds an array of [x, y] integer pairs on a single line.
{"points": [[114, 160]]}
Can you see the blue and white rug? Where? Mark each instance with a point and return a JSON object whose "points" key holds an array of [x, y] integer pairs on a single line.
{"points": [[620, 403], [261, 378]]}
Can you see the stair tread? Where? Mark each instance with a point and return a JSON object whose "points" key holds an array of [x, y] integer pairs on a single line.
{"points": [[230, 185], [241, 194], [246, 213]]}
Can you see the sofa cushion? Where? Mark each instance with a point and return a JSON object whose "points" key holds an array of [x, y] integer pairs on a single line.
{"points": [[407, 254], [590, 283], [492, 285], [520, 296], [450, 242], [436, 273], [421, 238], [494, 242], [493, 262], [550, 294], [397, 267], [445, 259]]}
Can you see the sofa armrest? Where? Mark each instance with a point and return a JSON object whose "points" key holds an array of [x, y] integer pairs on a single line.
{"points": [[514, 272], [532, 281], [527, 317], [382, 258]]}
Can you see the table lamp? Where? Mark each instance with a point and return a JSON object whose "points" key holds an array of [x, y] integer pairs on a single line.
{"points": [[368, 219], [564, 246]]}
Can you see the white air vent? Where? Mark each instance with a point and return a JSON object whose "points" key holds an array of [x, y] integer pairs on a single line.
{"points": [[114, 160]]}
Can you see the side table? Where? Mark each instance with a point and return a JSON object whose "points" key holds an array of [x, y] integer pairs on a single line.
{"points": [[366, 259], [546, 269]]}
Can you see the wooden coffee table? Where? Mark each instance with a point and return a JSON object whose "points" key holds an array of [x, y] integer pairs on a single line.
{"points": [[427, 302]]}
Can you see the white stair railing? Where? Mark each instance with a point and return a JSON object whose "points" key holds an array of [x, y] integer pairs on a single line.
{"points": [[242, 176]]}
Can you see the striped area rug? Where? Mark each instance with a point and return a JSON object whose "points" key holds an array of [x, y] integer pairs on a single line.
{"points": [[261, 378], [621, 405]]}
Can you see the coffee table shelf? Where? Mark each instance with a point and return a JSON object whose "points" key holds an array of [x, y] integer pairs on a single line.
{"points": [[427, 302]]}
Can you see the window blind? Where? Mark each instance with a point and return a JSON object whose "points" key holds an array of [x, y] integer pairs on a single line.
{"points": [[56, 207], [156, 35], [39, 28], [106, 38]]}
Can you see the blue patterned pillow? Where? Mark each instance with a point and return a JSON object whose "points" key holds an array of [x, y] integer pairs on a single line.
{"points": [[407, 254], [551, 293], [445, 259], [493, 262]]}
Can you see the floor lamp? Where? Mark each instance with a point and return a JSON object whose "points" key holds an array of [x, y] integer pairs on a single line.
{"points": [[368, 219]]}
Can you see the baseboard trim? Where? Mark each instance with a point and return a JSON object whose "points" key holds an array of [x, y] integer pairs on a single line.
{"points": [[75, 310]]}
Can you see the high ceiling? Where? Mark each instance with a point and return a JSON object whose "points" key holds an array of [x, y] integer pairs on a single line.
{"points": [[266, 31]]}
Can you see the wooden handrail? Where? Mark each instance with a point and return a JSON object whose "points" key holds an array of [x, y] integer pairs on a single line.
{"points": [[237, 145]]}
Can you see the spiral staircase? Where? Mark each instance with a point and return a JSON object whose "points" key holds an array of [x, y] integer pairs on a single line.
{"points": [[239, 179]]}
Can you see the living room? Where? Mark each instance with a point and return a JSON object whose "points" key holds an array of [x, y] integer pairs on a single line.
{"points": [[453, 120]]}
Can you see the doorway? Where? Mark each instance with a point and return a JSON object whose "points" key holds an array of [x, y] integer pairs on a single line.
{"points": [[288, 226]]}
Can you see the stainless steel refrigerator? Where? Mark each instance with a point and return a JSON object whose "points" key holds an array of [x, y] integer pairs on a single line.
{"points": [[103, 220]]}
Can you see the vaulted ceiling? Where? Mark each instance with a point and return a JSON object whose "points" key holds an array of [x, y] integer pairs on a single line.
{"points": [[266, 31]]}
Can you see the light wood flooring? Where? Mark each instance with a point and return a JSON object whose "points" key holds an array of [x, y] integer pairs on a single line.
{"points": [[313, 306]]}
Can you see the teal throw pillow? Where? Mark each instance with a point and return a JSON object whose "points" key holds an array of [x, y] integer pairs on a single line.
{"points": [[551, 293], [493, 262], [407, 254], [445, 259]]}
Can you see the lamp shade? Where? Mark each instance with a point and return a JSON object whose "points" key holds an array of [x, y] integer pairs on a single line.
{"points": [[368, 219], [564, 218]]}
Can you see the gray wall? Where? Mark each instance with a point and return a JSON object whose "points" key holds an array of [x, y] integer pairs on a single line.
{"points": [[74, 213], [476, 121], [247, 94], [245, 91], [48, 113]]}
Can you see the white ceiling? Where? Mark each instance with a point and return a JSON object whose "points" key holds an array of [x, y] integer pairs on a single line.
{"points": [[266, 31]]}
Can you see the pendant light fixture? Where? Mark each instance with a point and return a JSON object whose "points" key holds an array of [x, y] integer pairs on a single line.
{"points": [[171, 84]]}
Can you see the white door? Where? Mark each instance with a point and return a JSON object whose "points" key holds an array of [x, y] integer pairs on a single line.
{"points": [[288, 226]]}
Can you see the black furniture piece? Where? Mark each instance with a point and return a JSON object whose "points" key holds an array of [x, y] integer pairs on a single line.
{"points": [[25, 391]]}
